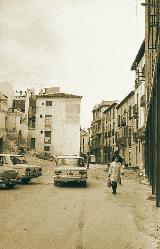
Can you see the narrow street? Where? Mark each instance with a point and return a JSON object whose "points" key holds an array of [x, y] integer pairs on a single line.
{"points": [[41, 216]]}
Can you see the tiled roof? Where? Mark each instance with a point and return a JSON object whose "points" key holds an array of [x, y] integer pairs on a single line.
{"points": [[125, 99], [58, 95], [110, 107]]}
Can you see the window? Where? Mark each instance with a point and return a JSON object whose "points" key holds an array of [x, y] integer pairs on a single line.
{"points": [[48, 103], [48, 120], [2, 160], [139, 146], [47, 137], [46, 148], [41, 132], [33, 140], [41, 116]]}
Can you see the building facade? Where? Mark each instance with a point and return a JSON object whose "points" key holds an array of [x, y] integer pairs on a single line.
{"points": [[84, 142], [98, 130], [56, 128], [139, 67], [110, 128], [125, 138]]}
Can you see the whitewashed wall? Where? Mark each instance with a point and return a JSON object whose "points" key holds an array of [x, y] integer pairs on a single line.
{"points": [[65, 127]]}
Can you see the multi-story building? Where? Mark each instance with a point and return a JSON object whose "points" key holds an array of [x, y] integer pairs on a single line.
{"points": [[125, 137], [152, 90], [84, 142], [55, 125], [98, 130], [139, 108], [110, 128]]}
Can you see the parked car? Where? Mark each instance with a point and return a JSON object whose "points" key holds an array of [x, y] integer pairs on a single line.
{"points": [[70, 169], [8, 177], [19, 163]]}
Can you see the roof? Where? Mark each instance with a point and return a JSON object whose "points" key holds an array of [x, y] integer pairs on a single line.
{"points": [[125, 99], [110, 107], [58, 95], [102, 104], [139, 56]]}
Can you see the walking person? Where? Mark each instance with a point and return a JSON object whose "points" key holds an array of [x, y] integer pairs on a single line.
{"points": [[116, 154], [114, 174]]}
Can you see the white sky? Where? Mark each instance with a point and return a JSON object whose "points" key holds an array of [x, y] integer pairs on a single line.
{"points": [[84, 46]]}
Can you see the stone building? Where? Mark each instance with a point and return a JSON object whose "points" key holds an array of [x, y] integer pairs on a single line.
{"points": [[55, 123], [139, 67], [98, 130], [110, 128], [84, 142], [125, 136]]}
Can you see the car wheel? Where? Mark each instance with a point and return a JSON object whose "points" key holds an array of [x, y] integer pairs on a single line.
{"points": [[10, 185], [83, 184], [25, 180]]}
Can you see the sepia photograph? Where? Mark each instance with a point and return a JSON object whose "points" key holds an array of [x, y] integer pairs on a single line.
{"points": [[80, 124]]}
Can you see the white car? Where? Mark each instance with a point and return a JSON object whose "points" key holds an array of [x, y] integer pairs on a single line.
{"points": [[70, 169], [19, 163]]}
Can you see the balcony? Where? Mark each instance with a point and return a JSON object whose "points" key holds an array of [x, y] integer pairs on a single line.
{"points": [[135, 138], [116, 136], [123, 122], [121, 142], [137, 83], [105, 134], [141, 133], [141, 75], [109, 134], [98, 132], [129, 141], [142, 101], [135, 111], [113, 132]]}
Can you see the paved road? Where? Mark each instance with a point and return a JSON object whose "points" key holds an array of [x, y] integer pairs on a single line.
{"points": [[41, 216]]}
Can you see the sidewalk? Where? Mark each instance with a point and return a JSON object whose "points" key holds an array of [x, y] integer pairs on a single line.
{"points": [[134, 193]]}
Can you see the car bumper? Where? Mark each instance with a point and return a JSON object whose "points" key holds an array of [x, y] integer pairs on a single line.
{"points": [[69, 179], [4, 181], [31, 175]]}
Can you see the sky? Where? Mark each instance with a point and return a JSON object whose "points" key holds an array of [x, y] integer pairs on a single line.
{"points": [[84, 46]]}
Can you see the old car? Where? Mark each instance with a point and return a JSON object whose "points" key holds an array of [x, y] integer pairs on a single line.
{"points": [[70, 169], [8, 177], [19, 163]]}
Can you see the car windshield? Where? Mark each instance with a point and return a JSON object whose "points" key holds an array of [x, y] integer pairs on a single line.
{"points": [[18, 160], [77, 162]]}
